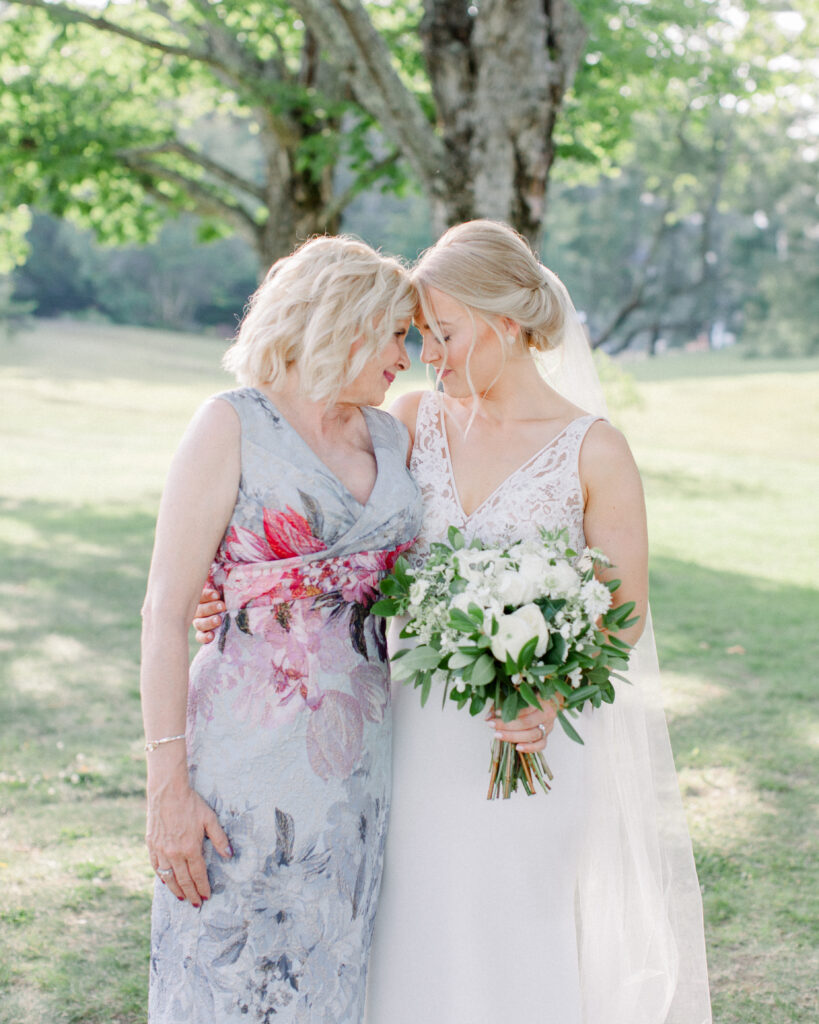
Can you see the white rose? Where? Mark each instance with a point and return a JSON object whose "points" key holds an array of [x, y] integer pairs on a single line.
{"points": [[515, 630], [417, 591], [533, 568], [561, 580], [513, 589], [532, 615], [522, 585]]}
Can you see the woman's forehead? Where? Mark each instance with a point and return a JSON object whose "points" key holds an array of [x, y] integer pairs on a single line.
{"points": [[436, 305]]}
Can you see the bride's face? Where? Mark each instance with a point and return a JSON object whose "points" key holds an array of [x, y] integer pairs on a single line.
{"points": [[465, 341]]}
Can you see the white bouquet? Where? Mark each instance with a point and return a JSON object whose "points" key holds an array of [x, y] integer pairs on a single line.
{"points": [[513, 626]]}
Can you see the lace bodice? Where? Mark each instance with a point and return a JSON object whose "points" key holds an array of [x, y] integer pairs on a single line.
{"points": [[544, 492]]}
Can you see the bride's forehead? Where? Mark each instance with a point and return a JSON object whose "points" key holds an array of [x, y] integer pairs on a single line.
{"points": [[440, 308]]}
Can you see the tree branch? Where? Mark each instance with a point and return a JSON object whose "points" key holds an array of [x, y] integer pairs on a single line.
{"points": [[340, 202], [195, 157], [363, 58], [206, 200], [224, 55], [635, 299], [69, 15]]}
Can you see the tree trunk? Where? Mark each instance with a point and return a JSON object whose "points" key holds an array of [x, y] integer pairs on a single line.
{"points": [[498, 69], [499, 78]]}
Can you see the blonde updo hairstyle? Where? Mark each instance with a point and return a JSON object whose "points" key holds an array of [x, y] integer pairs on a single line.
{"points": [[311, 308], [492, 270]]}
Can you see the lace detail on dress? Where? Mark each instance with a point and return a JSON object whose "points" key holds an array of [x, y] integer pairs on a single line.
{"points": [[544, 492]]}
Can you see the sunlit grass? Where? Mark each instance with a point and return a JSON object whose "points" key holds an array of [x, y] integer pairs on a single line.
{"points": [[90, 418]]}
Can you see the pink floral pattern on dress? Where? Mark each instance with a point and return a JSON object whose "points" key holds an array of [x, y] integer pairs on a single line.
{"points": [[289, 534], [308, 614]]}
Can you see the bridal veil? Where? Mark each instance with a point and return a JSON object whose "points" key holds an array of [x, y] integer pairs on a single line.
{"points": [[640, 926]]}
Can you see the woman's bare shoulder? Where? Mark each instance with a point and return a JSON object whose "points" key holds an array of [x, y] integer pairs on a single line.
{"points": [[605, 451], [213, 431]]}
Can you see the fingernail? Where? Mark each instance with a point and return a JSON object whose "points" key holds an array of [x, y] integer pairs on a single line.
{"points": [[229, 850], [181, 899]]}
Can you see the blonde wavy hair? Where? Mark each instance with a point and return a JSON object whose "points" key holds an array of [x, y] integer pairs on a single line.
{"points": [[312, 307]]}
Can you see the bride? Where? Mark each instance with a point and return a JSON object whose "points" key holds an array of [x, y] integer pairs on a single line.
{"points": [[559, 908], [581, 906]]}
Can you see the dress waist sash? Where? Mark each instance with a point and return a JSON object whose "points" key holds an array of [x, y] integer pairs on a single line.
{"points": [[355, 577]]}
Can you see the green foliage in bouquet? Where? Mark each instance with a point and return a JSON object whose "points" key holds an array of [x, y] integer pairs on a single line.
{"points": [[514, 627]]}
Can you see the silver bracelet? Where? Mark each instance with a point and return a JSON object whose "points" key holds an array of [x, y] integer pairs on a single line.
{"points": [[153, 744]]}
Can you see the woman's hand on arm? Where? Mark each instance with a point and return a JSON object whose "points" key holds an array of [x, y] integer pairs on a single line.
{"points": [[196, 506], [615, 517], [208, 615]]}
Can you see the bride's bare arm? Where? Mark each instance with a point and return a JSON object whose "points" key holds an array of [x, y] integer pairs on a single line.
{"points": [[196, 505], [615, 516], [614, 521]]}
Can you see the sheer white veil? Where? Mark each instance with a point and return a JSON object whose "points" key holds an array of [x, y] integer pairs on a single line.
{"points": [[640, 927]]}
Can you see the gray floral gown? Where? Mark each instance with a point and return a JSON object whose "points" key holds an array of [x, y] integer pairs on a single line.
{"points": [[289, 739]]}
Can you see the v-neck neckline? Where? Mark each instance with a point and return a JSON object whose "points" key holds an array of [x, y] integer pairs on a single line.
{"points": [[317, 458], [519, 469]]}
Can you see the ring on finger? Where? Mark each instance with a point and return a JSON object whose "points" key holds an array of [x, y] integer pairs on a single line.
{"points": [[543, 730], [164, 873]]}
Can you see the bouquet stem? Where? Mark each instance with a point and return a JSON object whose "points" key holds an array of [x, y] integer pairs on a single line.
{"points": [[493, 773], [527, 771], [508, 767]]}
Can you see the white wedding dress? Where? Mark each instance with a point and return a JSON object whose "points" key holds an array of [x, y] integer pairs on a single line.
{"points": [[490, 910]]}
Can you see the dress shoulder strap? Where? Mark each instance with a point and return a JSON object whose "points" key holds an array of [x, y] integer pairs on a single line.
{"points": [[428, 418]]}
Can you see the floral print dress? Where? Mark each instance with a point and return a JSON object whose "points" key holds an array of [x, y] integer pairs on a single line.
{"points": [[289, 739]]}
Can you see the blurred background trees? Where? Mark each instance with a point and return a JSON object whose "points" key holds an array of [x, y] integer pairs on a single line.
{"points": [[676, 142]]}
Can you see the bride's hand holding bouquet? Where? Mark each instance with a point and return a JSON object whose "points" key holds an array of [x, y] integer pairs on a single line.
{"points": [[515, 627]]}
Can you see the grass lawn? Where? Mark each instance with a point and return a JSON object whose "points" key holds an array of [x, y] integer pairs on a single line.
{"points": [[90, 417]]}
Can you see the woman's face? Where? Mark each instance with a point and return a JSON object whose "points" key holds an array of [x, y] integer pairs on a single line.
{"points": [[449, 358], [370, 386]]}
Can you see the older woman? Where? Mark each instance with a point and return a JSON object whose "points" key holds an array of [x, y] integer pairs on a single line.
{"points": [[269, 766]]}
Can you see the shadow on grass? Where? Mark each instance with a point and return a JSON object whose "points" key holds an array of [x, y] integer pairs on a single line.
{"points": [[749, 776], [70, 719]]}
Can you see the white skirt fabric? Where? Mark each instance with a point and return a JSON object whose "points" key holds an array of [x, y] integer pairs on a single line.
{"points": [[476, 918], [580, 906]]}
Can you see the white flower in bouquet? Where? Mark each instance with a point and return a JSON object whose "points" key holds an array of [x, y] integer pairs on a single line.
{"points": [[517, 629], [514, 589], [561, 580], [596, 598], [522, 585], [488, 605], [558, 642]]}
